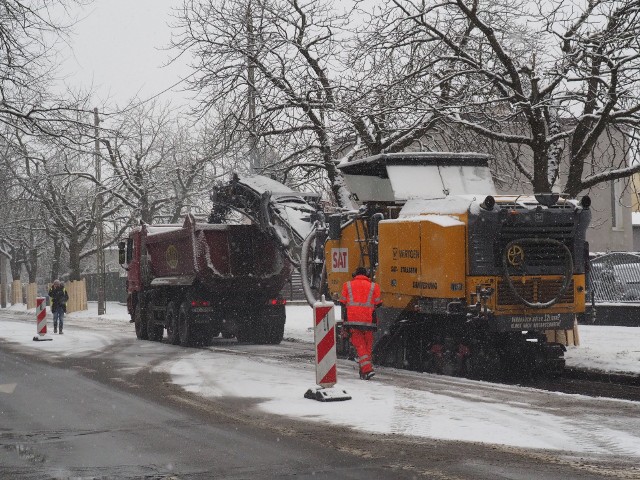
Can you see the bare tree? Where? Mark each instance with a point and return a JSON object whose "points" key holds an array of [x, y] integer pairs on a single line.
{"points": [[269, 62], [22, 231], [153, 166], [29, 34], [391, 92], [52, 204], [547, 82]]}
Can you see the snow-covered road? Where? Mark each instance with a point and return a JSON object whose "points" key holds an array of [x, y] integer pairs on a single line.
{"points": [[400, 402]]}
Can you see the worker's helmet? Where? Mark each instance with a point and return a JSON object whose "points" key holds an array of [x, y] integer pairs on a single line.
{"points": [[361, 271], [56, 282]]}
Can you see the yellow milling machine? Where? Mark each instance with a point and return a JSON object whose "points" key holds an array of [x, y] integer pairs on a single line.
{"points": [[470, 280]]}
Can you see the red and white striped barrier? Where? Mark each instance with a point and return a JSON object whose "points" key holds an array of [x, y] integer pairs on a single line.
{"points": [[324, 335], [41, 316], [41, 319]]}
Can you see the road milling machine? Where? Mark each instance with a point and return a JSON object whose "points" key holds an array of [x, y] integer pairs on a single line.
{"points": [[470, 279]]}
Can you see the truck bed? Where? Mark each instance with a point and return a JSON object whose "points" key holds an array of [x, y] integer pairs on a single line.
{"points": [[227, 258]]}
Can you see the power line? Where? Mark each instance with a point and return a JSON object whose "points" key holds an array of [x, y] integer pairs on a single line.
{"points": [[153, 97]]}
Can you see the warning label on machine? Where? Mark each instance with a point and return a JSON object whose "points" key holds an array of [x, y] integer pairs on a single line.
{"points": [[340, 260], [547, 321]]}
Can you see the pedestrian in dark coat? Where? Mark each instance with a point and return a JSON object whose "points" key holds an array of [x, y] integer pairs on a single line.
{"points": [[58, 298]]}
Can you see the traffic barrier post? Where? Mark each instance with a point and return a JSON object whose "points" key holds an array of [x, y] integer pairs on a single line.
{"points": [[324, 335], [41, 320]]}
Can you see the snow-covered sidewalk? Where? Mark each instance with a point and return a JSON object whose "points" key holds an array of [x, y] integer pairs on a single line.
{"points": [[406, 403]]}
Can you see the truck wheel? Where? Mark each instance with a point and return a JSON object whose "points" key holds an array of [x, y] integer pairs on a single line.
{"points": [[171, 321], [271, 327], [154, 331], [268, 332], [141, 325], [245, 333], [184, 325], [274, 332], [202, 335]]}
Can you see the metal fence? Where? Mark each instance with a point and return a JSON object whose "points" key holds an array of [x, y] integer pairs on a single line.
{"points": [[614, 278], [114, 287]]}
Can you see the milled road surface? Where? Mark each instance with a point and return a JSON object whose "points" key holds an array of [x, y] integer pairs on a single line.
{"points": [[108, 416]]}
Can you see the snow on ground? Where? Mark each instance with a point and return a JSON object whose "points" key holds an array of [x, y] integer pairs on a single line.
{"points": [[443, 408], [609, 349]]}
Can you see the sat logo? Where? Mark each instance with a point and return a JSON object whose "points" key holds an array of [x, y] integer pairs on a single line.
{"points": [[340, 260]]}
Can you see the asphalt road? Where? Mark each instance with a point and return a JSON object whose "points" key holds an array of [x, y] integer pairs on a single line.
{"points": [[56, 423], [107, 414]]}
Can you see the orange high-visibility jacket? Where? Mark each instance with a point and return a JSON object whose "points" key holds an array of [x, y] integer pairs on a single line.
{"points": [[360, 296]]}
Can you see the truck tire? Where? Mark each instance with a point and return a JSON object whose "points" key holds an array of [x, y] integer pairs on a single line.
{"points": [[245, 333], [268, 332], [275, 332], [171, 321], [140, 323], [154, 331], [202, 335], [185, 325], [271, 327]]}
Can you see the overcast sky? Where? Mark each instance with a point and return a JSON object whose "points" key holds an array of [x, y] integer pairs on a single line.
{"points": [[117, 48]]}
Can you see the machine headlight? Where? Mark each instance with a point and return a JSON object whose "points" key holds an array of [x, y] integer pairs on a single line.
{"points": [[489, 203]]}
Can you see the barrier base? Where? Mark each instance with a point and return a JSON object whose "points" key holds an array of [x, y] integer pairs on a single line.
{"points": [[43, 338], [322, 394]]}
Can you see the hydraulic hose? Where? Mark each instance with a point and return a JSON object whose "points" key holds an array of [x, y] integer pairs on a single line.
{"points": [[567, 275], [308, 245]]}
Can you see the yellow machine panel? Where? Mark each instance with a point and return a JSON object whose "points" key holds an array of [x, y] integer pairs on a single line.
{"points": [[344, 255], [444, 257], [423, 257], [399, 256]]}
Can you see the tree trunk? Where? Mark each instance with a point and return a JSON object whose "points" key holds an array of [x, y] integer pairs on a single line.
{"points": [[55, 263], [74, 258], [540, 171], [145, 211], [32, 265], [15, 263]]}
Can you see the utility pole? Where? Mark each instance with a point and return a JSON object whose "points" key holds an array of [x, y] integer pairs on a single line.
{"points": [[254, 160], [100, 274], [3, 282]]}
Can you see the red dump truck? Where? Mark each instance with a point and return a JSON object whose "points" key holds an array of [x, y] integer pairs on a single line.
{"points": [[200, 280]]}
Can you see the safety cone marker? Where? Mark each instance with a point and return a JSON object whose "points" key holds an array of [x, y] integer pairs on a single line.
{"points": [[41, 319], [324, 336]]}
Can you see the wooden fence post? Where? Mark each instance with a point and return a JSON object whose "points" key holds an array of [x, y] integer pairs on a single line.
{"points": [[16, 292], [77, 296], [32, 294], [71, 291], [83, 291]]}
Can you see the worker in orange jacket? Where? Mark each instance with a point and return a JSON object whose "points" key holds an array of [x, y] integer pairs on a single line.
{"points": [[361, 297]]}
